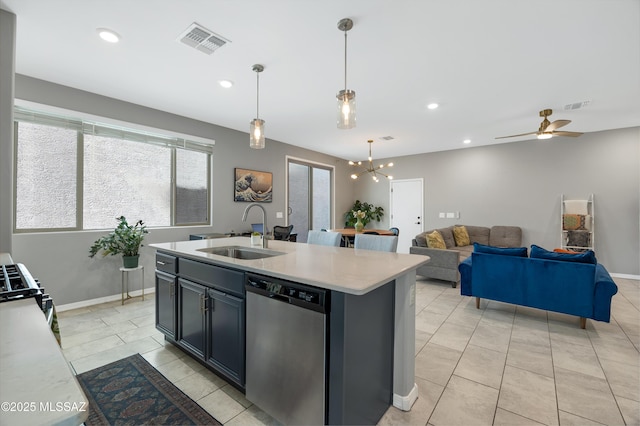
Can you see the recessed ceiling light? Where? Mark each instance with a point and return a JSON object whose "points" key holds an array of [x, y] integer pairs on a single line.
{"points": [[225, 83], [432, 106], [108, 35], [466, 141]]}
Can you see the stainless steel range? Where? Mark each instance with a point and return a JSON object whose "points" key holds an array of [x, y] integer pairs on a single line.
{"points": [[16, 283]]}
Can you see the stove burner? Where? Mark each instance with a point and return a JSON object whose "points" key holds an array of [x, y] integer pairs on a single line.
{"points": [[17, 283]]}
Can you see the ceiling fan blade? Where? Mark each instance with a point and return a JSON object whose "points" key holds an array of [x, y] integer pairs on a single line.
{"points": [[515, 136], [563, 133], [556, 125]]}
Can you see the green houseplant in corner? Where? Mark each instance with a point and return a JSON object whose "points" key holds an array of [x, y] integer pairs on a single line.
{"points": [[125, 239]]}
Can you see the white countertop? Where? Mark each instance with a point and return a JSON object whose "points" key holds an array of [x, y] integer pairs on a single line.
{"points": [[342, 269], [37, 386]]}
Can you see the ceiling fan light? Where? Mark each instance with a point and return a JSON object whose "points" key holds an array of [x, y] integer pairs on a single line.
{"points": [[354, 176], [545, 135]]}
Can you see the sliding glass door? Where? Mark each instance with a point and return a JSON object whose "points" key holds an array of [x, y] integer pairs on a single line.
{"points": [[310, 196]]}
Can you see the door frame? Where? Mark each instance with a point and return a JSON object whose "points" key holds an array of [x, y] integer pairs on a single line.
{"points": [[288, 158]]}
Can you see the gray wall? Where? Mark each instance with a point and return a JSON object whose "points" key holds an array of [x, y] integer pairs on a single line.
{"points": [[520, 184], [7, 66], [60, 259]]}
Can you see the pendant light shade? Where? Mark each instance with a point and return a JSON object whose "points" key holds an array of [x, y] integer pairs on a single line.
{"points": [[346, 98], [256, 132]]}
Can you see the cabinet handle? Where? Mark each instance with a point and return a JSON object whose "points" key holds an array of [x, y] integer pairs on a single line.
{"points": [[160, 262], [203, 304], [172, 292]]}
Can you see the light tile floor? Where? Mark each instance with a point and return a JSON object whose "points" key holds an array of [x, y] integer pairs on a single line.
{"points": [[500, 365]]}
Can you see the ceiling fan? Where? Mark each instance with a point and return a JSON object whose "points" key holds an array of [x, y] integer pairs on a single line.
{"points": [[548, 129]]}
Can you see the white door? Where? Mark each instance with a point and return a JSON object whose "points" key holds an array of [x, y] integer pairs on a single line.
{"points": [[406, 210]]}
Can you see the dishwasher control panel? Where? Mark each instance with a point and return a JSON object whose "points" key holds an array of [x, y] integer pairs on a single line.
{"points": [[294, 293]]}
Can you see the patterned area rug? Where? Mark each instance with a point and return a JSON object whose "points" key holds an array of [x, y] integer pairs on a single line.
{"points": [[131, 392]]}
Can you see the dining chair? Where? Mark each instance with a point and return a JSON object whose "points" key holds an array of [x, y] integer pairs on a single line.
{"points": [[282, 232], [396, 231], [324, 238], [376, 242]]}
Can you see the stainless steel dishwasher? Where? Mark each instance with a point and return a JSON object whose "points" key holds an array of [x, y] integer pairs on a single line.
{"points": [[286, 346]]}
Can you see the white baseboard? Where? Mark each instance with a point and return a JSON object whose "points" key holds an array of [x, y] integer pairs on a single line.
{"points": [[99, 300], [405, 403], [627, 276]]}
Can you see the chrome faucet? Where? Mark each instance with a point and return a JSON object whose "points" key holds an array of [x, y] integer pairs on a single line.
{"points": [[264, 221]]}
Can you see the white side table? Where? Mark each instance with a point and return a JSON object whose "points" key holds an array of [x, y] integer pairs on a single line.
{"points": [[125, 278]]}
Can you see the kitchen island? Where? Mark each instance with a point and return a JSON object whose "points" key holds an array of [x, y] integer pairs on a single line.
{"points": [[351, 277]]}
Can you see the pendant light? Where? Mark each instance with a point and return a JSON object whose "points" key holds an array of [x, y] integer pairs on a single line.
{"points": [[256, 132], [373, 171], [346, 98]]}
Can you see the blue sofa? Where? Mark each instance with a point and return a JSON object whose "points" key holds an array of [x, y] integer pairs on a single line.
{"points": [[566, 283]]}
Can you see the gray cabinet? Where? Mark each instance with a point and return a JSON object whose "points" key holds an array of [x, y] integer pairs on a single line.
{"points": [[226, 334], [166, 282], [166, 303], [201, 308], [192, 305]]}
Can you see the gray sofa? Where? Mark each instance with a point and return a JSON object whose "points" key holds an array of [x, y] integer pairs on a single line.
{"points": [[444, 262]]}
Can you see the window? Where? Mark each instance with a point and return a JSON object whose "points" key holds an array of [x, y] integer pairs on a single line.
{"points": [[310, 196], [76, 175]]}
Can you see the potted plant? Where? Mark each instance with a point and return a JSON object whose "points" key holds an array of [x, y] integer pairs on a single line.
{"points": [[125, 239], [363, 212]]}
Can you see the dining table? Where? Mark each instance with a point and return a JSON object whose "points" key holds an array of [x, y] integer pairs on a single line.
{"points": [[351, 232], [348, 234]]}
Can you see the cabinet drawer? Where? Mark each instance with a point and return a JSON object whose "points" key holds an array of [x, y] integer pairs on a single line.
{"points": [[223, 279], [166, 263]]}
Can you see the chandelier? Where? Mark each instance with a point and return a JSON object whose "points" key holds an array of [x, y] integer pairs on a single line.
{"points": [[346, 98], [256, 132], [374, 171]]}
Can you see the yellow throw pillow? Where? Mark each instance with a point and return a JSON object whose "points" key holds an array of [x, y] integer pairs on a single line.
{"points": [[435, 240], [461, 236]]}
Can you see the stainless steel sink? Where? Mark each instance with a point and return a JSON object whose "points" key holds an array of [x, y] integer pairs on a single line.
{"points": [[240, 252]]}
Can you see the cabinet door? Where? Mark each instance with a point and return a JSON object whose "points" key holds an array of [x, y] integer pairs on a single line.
{"points": [[191, 316], [226, 335], [166, 304]]}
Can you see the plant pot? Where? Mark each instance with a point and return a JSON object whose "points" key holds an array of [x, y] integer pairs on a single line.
{"points": [[130, 261]]}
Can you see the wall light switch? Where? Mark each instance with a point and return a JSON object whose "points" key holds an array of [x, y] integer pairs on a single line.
{"points": [[450, 215], [279, 215], [441, 215], [457, 215]]}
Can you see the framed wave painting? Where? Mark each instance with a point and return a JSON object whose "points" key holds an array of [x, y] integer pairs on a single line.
{"points": [[253, 186]]}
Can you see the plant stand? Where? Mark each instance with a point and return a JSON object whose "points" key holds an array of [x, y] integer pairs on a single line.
{"points": [[125, 279]]}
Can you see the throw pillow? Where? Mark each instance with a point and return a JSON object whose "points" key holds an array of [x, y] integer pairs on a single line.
{"points": [[461, 236], [435, 240], [571, 222], [508, 251], [538, 252], [561, 250], [578, 238]]}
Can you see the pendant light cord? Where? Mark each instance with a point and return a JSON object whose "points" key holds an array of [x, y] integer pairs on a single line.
{"points": [[345, 62], [257, 95]]}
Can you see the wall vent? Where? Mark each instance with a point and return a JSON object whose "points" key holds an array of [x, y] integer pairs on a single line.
{"points": [[576, 105], [202, 39]]}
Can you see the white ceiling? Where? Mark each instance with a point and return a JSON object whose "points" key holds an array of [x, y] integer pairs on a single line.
{"points": [[491, 65]]}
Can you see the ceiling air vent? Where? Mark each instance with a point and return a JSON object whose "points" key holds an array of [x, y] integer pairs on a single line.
{"points": [[387, 138], [202, 39], [576, 105]]}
